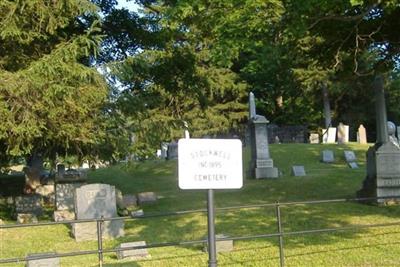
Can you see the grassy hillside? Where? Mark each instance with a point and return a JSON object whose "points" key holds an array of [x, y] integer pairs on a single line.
{"points": [[368, 247]]}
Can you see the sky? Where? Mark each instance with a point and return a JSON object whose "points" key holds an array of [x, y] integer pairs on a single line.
{"points": [[130, 5]]}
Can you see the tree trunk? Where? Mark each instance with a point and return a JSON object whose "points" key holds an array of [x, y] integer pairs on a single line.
{"points": [[33, 172], [327, 106]]}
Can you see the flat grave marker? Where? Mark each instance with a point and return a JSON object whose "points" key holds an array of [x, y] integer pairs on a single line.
{"points": [[134, 253], [298, 170], [349, 156], [327, 156]]}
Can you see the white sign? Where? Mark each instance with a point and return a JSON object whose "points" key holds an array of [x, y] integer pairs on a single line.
{"points": [[210, 164]]}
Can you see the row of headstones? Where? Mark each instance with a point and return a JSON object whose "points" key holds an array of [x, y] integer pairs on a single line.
{"points": [[78, 201], [130, 250], [328, 157], [339, 135]]}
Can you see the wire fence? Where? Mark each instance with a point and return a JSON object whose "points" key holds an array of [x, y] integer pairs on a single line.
{"points": [[280, 234]]}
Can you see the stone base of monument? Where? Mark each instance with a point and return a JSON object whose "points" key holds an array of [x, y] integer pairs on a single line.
{"points": [[23, 218], [383, 174], [88, 230], [270, 172]]}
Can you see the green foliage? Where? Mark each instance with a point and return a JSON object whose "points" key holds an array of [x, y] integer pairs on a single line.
{"points": [[50, 99]]}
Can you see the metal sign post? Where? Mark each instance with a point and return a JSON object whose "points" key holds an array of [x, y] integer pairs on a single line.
{"points": [[210, 164], [212, 250]]}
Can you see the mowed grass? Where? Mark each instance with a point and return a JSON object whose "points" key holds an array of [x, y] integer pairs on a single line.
{"points": [[365, 247]]}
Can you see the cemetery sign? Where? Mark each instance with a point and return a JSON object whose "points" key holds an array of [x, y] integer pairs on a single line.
{"points": [[210, 164]]}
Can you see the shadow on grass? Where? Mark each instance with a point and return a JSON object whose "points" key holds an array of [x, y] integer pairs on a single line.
{"points": [[138, 262]]}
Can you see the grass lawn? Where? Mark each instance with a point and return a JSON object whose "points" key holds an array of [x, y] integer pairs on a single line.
{"points": [[367, 247]]}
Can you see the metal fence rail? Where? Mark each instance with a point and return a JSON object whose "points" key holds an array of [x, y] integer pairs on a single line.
{"points": [[280, 234]]}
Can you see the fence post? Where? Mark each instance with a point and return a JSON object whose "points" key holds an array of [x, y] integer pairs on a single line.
{"points": [[100, 240], [279, 222]]}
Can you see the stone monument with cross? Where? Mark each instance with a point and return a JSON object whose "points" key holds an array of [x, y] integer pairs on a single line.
{"points": [[383, 158], [261, 165]]}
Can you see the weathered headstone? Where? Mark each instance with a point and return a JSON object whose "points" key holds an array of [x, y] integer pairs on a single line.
{"points": [[327, 156], [298, 170], [146, 197], [134, 253], [349, 156], [29, 204], [164, 149], [329, 135], [33, 260], [342, 133], [172, 152], [314, 138], [261, 163], [361, 135], [95, 201], [65, 196]]}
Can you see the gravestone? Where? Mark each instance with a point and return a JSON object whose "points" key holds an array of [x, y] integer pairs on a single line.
{"points": [[329, 135], [349, 156], [383, 168], [361, 135], [314, 138], [33, 261], [164, 149], [327, 156], [134, 253], [172, 152], [65, 201], [29, 204], [342, 133], [95, 201], [298, 171], [146, 197], [388, 171], [65, 196], [262, 164], [353, 165]]}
